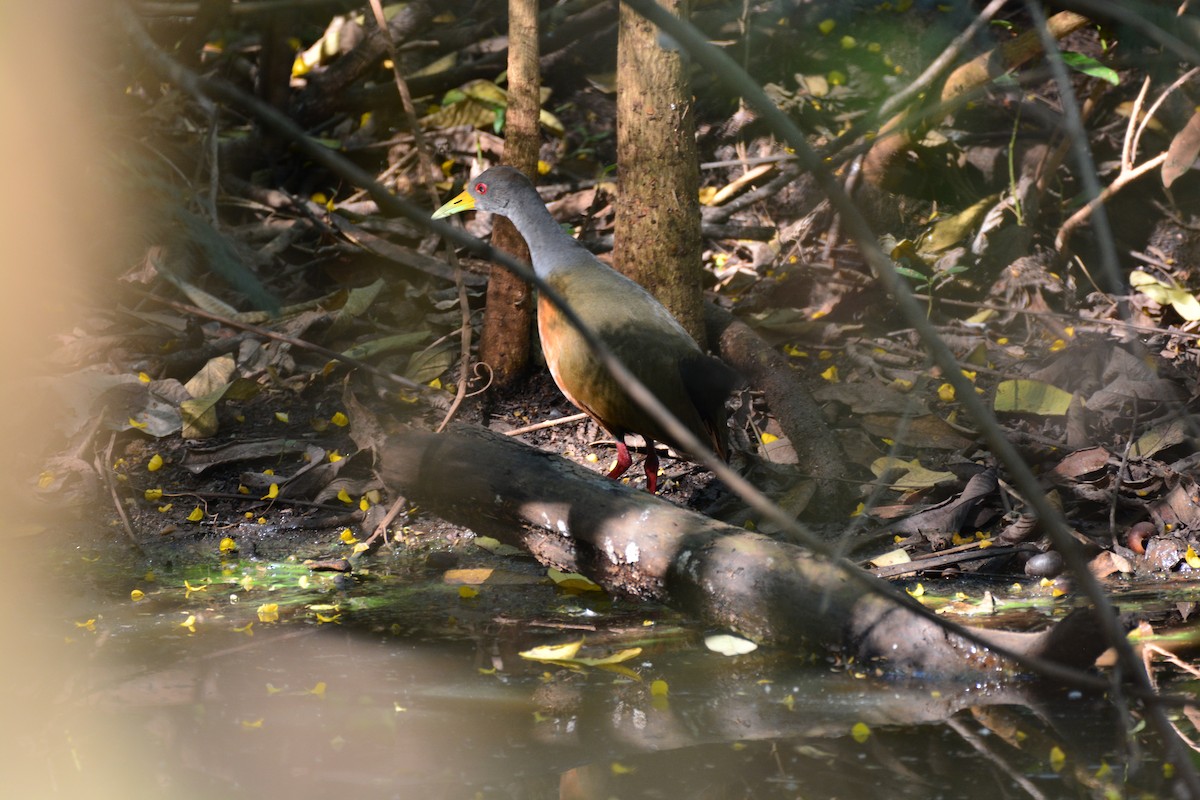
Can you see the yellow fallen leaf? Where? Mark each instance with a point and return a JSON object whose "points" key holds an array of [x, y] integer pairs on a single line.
{"points": [[553, 652], [572, 581]]}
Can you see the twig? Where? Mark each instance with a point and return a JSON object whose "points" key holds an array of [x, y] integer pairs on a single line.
{"points": [[381, 529], [981, 747], [103, 469], [425, 171], [283, 501], [549, 423], [1133, 131], [290, 340], [942, 62], [1138, 121], [1085, 165], [426, 176], [1120, 182]]}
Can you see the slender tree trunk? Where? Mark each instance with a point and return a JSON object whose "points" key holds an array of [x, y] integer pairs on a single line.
{"points": [[504, 345], [658, 210]]}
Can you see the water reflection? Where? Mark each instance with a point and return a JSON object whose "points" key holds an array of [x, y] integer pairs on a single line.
{"points": [[429, 699]]}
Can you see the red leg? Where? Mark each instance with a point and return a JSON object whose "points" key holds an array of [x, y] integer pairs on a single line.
{"points": [[651, 466], [623, 461]]}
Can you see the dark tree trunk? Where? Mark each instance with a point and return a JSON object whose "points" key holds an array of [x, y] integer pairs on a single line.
{"points": [[504, 345], [818, 451]]}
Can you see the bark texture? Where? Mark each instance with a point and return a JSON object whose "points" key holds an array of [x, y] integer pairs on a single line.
{"points": [[818, 452], [657, 241], [504, 344]]}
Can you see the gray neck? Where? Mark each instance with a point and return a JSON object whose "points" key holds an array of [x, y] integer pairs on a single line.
{"points": [[549, 244]]}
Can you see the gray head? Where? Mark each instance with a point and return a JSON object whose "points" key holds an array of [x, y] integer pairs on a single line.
{"points": [[495, 191]]}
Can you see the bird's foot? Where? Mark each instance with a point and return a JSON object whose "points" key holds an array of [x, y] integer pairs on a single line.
{"points": [[651, 467], [624, 461]]}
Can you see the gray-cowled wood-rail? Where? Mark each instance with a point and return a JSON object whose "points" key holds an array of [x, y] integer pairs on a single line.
{"points": [[627, 318]]}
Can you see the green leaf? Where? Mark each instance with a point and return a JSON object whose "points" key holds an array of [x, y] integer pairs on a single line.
{"points": [[910, 273], [429, 364], [1091, 67], [1163, 292], [1031, 397], [907, 476]]}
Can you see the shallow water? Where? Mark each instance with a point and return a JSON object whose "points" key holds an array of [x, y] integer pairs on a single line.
{"points": [[394, 685]]}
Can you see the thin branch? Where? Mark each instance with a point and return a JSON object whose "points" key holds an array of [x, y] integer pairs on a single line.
{"points": [[942, 62], [426, 175], [267, 333]]}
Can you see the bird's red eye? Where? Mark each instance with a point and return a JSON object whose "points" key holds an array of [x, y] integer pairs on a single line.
{"points": [[481, 188]]}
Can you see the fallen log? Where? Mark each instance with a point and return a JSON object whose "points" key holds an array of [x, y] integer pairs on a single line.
{"points": [[633, 543]]}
